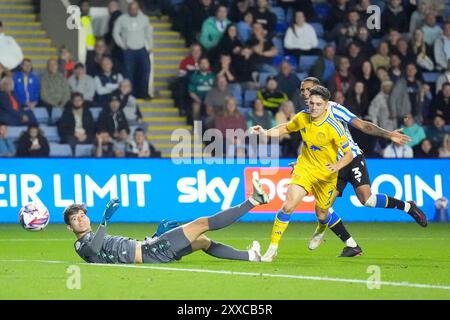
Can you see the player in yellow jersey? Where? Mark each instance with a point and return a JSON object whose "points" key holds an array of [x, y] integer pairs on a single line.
{"points": [[317, 167]]}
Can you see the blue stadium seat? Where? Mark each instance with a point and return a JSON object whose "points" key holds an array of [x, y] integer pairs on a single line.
{"points": [[375, 42], [50, 132], [277, 60], [318, 28], [302, 75], [83, 150], [56, 114], [322, 43], [430, 77], [15, 132], [263, 78], [281, 28], [244, 112], [278, 43], [41, 114], [249, 98], [279, 12], [447, 128], [95, 112], [236, 90], [307, 62], [60, 150], [379, 3]]}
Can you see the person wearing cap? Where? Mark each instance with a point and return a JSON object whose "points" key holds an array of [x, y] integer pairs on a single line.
{"points": [[11, 54], [82, 82], [271, 96], [112, 119], [379, 108]]}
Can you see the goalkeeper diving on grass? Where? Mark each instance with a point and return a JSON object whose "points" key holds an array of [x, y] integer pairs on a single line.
{"points": [[170, 243]]}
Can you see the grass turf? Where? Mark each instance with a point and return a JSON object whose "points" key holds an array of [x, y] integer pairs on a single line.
{"points": [[404, 252]]}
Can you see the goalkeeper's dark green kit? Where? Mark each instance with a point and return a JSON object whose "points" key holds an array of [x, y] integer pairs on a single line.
{"points": [[168, 247], [103, 248]]}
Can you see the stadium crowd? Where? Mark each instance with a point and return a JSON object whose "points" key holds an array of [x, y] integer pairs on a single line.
{"points": [[246, 63], [77, 109], [249, 56]]}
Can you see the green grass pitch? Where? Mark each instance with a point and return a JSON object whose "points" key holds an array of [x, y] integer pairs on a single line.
{"points": [[414, 263]]}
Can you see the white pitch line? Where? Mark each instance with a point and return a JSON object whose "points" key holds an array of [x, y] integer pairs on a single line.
{"points": [[245, 238], [237, 273]]}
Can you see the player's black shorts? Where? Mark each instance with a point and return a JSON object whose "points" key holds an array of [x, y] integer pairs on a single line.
{"points": [[169, 247], [355, 173]]}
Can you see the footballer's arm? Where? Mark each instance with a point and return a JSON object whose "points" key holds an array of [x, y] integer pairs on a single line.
{"points": [[276, 131], [374, 130], [344, 161], [97, 241]]}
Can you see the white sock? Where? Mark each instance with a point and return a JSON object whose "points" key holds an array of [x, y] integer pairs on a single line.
{"points": [[253, 201], [407, 206], [350, 242]]}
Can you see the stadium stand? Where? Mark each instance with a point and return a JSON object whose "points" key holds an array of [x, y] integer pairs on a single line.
{"points": [[164, 112]]}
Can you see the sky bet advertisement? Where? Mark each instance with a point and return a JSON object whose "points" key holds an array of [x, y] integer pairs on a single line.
{"points": [[152, 190]]}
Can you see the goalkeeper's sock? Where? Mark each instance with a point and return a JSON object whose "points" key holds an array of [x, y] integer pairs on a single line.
{"points": [[336, 225], [279, 226], [225, 218], [384, 201], [222, 251]]}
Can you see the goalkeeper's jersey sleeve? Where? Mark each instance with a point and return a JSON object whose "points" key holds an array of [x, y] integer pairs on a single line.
{"points": [[99, 247]]}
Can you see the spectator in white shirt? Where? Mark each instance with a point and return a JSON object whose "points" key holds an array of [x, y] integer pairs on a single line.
{"points": [[10, 52], [442, 48], [301, 38], [431, 31], [394, 150], [82, 83]]}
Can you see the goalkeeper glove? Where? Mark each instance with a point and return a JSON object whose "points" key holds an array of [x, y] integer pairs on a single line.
{"points": [[110, 209], [164, 226]]}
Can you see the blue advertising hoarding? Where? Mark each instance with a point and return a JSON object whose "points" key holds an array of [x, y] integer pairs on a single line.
{"points": [[153, 189]]}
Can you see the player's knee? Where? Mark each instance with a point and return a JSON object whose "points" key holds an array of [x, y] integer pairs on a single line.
{"points": [[321, 214], [202, 223], [288, 208], [369, 202], [203, 243]]}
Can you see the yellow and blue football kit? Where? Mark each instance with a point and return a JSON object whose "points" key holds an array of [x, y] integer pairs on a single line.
{"points": [[322, 140]]}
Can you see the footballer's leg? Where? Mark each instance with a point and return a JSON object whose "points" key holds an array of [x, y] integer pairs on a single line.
{"points": [[319, 233], [222, 219], [325, 194], [370, 200], [295, 194]]}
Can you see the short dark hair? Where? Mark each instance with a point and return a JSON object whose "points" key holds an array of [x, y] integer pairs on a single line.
{"points": [[312, 79], [73, 209], [139, 129], [320, 91], [1, 24], [78, 65]]}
